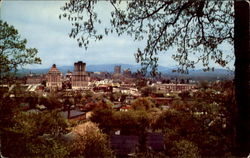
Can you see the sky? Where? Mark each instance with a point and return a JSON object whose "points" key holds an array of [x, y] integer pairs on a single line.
{"points": [[38, 21]]}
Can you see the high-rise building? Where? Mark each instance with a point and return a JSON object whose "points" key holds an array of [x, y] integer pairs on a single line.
{"points": [[117, 69], [54, 81], [80, 78]]}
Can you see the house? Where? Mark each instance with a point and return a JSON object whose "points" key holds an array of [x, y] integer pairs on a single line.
{"points": [[35, 79], [155, 141], [163, 100], [74, 115], [103, 88], [24, 106], [128, 145], [116, 106], [124, 145], [125, 108], [174, 87]]}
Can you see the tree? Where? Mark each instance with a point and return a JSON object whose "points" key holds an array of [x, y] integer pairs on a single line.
{"points": [[130, 122], [31, 134], [204, 85], [184, 95], [104, 119], [147, 91], [50, 102], [198, 27], [91, 142], [13, 51], [13, 55], [140, 83], [205, 127], [142, 103], [116, 96], [184, 148]]}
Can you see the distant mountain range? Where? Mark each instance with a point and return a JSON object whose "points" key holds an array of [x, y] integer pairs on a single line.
{"points": [[134, 68]]}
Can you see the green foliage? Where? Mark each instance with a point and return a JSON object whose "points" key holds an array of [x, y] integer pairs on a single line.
{"points": [[37, 124], [32, 133], [142, 103], [51, 102], [192, 128], [8, 108], [140, 83], [104, 119], [130, 122], [13, 51], [184, 95], [146, 91], [89, 94], [184, 149], [103, 104], [108, 103], [48, 148], [100, 104], [150, 154], [91, 142], [115, 96], [174, 120], [207, 122], [204, 85]]}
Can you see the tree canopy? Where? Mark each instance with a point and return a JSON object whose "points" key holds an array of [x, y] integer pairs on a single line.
{"points": [[196, 28], [13, 50], [91, 142], [35, 135]]}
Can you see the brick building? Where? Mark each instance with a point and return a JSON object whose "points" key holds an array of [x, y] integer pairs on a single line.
{"points": [[117, 69], [80, 78], [174, 87], [54, 81], [34, 79]]}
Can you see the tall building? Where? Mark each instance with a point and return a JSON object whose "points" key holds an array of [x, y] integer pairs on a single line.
{"points": [[54, 81], [80, 78], [117, 69]]}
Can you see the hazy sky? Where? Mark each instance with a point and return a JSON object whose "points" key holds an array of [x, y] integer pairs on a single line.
{"points": [[38, 22]]}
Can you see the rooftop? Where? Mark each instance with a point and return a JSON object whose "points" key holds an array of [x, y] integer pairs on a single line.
{"points": [[72, 114]]}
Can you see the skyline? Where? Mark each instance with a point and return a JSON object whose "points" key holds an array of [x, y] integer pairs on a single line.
{"points": [[39, 23]]}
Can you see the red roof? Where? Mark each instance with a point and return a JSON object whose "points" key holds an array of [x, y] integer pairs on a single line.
{"points": [[126, 107]]}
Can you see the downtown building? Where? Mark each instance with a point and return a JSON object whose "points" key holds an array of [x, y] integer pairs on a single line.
{"points": [[80, 78], [117, 69], [54, 79]]}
